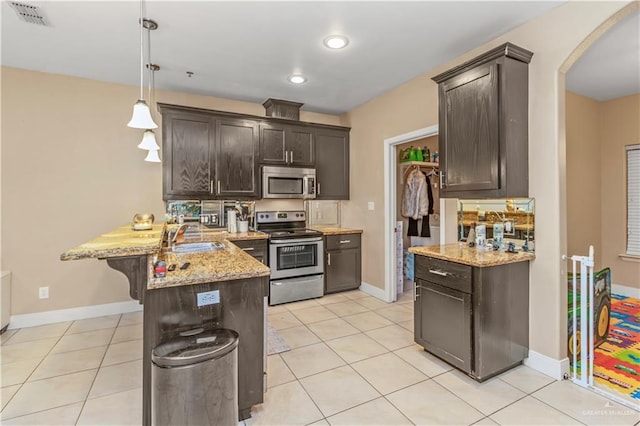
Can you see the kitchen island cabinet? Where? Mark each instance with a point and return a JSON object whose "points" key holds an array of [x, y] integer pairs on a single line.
{"points": [[483, 116], [471, 307], [235, 282]]}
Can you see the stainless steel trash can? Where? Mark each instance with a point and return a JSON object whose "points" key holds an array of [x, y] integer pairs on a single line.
{"points": [[194, 379]]}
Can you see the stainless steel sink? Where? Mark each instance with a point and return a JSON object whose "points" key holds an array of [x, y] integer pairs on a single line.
{"points": [[199, 247]]}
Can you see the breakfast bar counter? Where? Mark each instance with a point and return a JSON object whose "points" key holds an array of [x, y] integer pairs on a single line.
{"points": [[219, 288]]}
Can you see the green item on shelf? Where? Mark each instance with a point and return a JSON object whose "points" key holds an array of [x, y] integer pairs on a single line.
{"points": [[413, 155], [404, 155], [426, 154]]}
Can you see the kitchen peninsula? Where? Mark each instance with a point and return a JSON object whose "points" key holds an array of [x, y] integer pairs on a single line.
{"points": [[237, 282], [472, 307]]}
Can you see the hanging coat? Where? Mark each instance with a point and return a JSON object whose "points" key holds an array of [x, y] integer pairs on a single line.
{"points": [[415, 200]]}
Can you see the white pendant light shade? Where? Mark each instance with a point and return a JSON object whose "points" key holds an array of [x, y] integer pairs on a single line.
{"points": [[141, 118], [152, 156], [149, 141]]}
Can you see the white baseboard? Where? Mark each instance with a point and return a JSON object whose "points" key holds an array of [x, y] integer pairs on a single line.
{"points": [[374, 291], [71, 314], [551, 367], [625, 291]]}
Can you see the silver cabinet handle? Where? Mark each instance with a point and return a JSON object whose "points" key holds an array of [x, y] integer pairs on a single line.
{"points": [[291, 157], [286, 157], [318, 188], [415, 292], [277, 283], [249, 248], [328, 259], [443, 274], [218, 186], [443, 180], [345, 241], [211, 187]]}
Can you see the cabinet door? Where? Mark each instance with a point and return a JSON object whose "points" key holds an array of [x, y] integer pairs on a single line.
{"points": [[272, 145], [342, 270], [442, 323], [188, 141], [300, 146], [332, 164], [470, 138], [236, 159]]}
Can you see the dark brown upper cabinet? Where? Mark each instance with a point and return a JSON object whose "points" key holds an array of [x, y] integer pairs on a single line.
{"points": [[483, 130], [332, 164], [286, 145], [188, 141], [217, 155], [236, 159], [208, 156]]}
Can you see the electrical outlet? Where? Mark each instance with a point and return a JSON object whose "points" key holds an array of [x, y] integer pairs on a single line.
{"points": [[371, 205], [509, 228], [43, 292]]}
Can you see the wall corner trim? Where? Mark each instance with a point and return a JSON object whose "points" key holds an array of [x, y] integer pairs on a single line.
{"points": [[72, 314], [374, 291], [552, 367]]}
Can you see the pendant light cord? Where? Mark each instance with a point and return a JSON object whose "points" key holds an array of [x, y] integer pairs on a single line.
{"points": [[141, 53]]}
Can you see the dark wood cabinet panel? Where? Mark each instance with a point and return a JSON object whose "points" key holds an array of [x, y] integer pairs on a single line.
{"points": [[301, 146], [236, 159], [450, 336], [476, 319], [286, 145], [187, 143], [343, 265], [483, 133], [272, 145], [332, 164]]}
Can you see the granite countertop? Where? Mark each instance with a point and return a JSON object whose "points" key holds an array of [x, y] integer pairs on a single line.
{"points": [[471, 256], [231, 263], [122, 241], [335, 230]]}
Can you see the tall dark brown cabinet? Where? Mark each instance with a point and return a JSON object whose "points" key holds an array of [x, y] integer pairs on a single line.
{"points": [[332, 164], [483, 131]]}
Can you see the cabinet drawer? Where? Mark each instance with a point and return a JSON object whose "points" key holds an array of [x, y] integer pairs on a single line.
{"points": [[448, 274], [256, 248], [339, 242]]}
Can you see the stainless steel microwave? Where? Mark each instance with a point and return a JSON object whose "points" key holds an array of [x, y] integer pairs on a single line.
{"points": [[288, 182]]}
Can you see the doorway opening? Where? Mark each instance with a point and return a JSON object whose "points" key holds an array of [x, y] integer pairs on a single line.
{"points": [[392, 194]]}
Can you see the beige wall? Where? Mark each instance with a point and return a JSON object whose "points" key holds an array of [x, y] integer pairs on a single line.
{"points": [[597, 133], [70, 171], [552, 37], [620, 127], [583, 176]]}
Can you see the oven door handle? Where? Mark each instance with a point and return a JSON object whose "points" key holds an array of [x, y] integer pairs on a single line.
{"points": [[296, 240]]}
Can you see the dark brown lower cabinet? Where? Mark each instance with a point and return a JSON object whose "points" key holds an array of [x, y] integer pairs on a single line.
{"points": [[474, 318], [256, 248], [343, 267]]}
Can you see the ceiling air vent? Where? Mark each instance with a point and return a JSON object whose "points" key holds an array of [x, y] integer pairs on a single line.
{"points": [[28, 13]]}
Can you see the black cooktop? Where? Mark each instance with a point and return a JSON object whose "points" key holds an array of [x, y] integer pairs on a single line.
{"points": [[292, 233]]}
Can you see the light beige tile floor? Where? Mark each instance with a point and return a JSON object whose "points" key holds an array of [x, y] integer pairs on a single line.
{"points": [[352, 362]]}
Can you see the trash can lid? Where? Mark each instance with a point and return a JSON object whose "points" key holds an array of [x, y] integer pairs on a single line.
{"points": [[194, 348]]}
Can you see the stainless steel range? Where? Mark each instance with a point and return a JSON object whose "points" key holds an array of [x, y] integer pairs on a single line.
{"points": [[296, 256]]}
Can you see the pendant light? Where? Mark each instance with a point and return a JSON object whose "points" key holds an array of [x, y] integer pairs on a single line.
{"points": [[141, 118], [152, 156], [149, 141]]}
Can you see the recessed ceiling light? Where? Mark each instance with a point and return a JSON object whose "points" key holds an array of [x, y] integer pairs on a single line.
{"points": [[297, 79], [336, 41]]}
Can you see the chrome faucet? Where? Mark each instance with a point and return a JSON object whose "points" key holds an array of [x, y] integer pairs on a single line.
{"points": [[177, 233]]}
